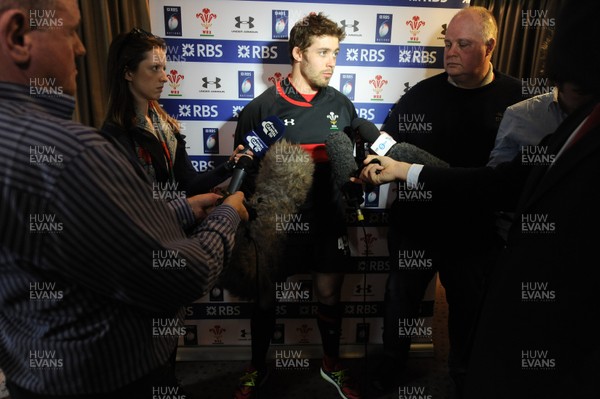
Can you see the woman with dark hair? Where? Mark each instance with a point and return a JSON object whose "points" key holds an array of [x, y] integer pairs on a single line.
{"points": [[136, 76], [149, 136]]}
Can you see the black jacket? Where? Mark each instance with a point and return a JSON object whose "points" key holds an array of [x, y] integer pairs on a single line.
{"points": [[189, 180], [533, 339]]}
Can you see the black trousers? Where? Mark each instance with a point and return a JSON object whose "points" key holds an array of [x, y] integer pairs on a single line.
{"points": [[463, 275]]}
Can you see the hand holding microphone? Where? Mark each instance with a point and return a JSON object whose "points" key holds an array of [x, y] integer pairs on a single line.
{"points": [[360, 159], [267, 133], [203, 204], [239, 173], [239, 152], [384, 144], [385, 170], [258, 141]]}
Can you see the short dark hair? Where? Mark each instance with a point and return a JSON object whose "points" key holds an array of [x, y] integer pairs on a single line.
{"points": [[572, 56], [312, 25]]}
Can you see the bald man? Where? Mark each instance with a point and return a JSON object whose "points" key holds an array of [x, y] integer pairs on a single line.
{"points": [[458, 111]]}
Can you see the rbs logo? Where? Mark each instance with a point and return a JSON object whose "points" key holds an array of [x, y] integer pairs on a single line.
{"points": [[257, 52], [366, 113], [205, 111], [209, 50], [264, 52], [372, 55], [424, 57], [417, 56]]}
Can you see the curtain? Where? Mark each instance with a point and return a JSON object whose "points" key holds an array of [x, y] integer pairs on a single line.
{"points": [[522, 46], [101, 21]]}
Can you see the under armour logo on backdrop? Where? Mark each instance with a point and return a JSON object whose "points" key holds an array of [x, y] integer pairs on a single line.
{"points": [[216, 82], [239, 22], [353, 25]]}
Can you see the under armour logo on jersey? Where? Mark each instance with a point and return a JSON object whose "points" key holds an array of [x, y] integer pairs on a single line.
{"points": [[216, 82], [239, 22], [288, 122], [353, 25]]}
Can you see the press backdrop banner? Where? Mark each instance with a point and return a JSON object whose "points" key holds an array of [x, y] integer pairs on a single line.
{"points": [[223, 53]]}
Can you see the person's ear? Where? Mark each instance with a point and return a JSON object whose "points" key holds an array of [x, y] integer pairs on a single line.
{"points": [[490, 46], [297, 54], [128, 74], [13, 36]]}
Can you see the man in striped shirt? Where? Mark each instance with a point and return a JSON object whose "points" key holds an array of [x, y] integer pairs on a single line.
{"points": [[93, 270]]}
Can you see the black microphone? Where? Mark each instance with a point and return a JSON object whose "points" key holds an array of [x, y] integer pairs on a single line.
{"points": [[340, 151], [239, 172], [361, 155], [284, 178], [267, 133], [383, 144]]}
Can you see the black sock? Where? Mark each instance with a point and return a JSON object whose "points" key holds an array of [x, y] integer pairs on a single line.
{"points": [[329, 320], [262, 326]]}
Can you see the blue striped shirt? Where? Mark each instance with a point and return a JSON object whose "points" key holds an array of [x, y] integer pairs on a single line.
{"points": [[93, 270]]}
